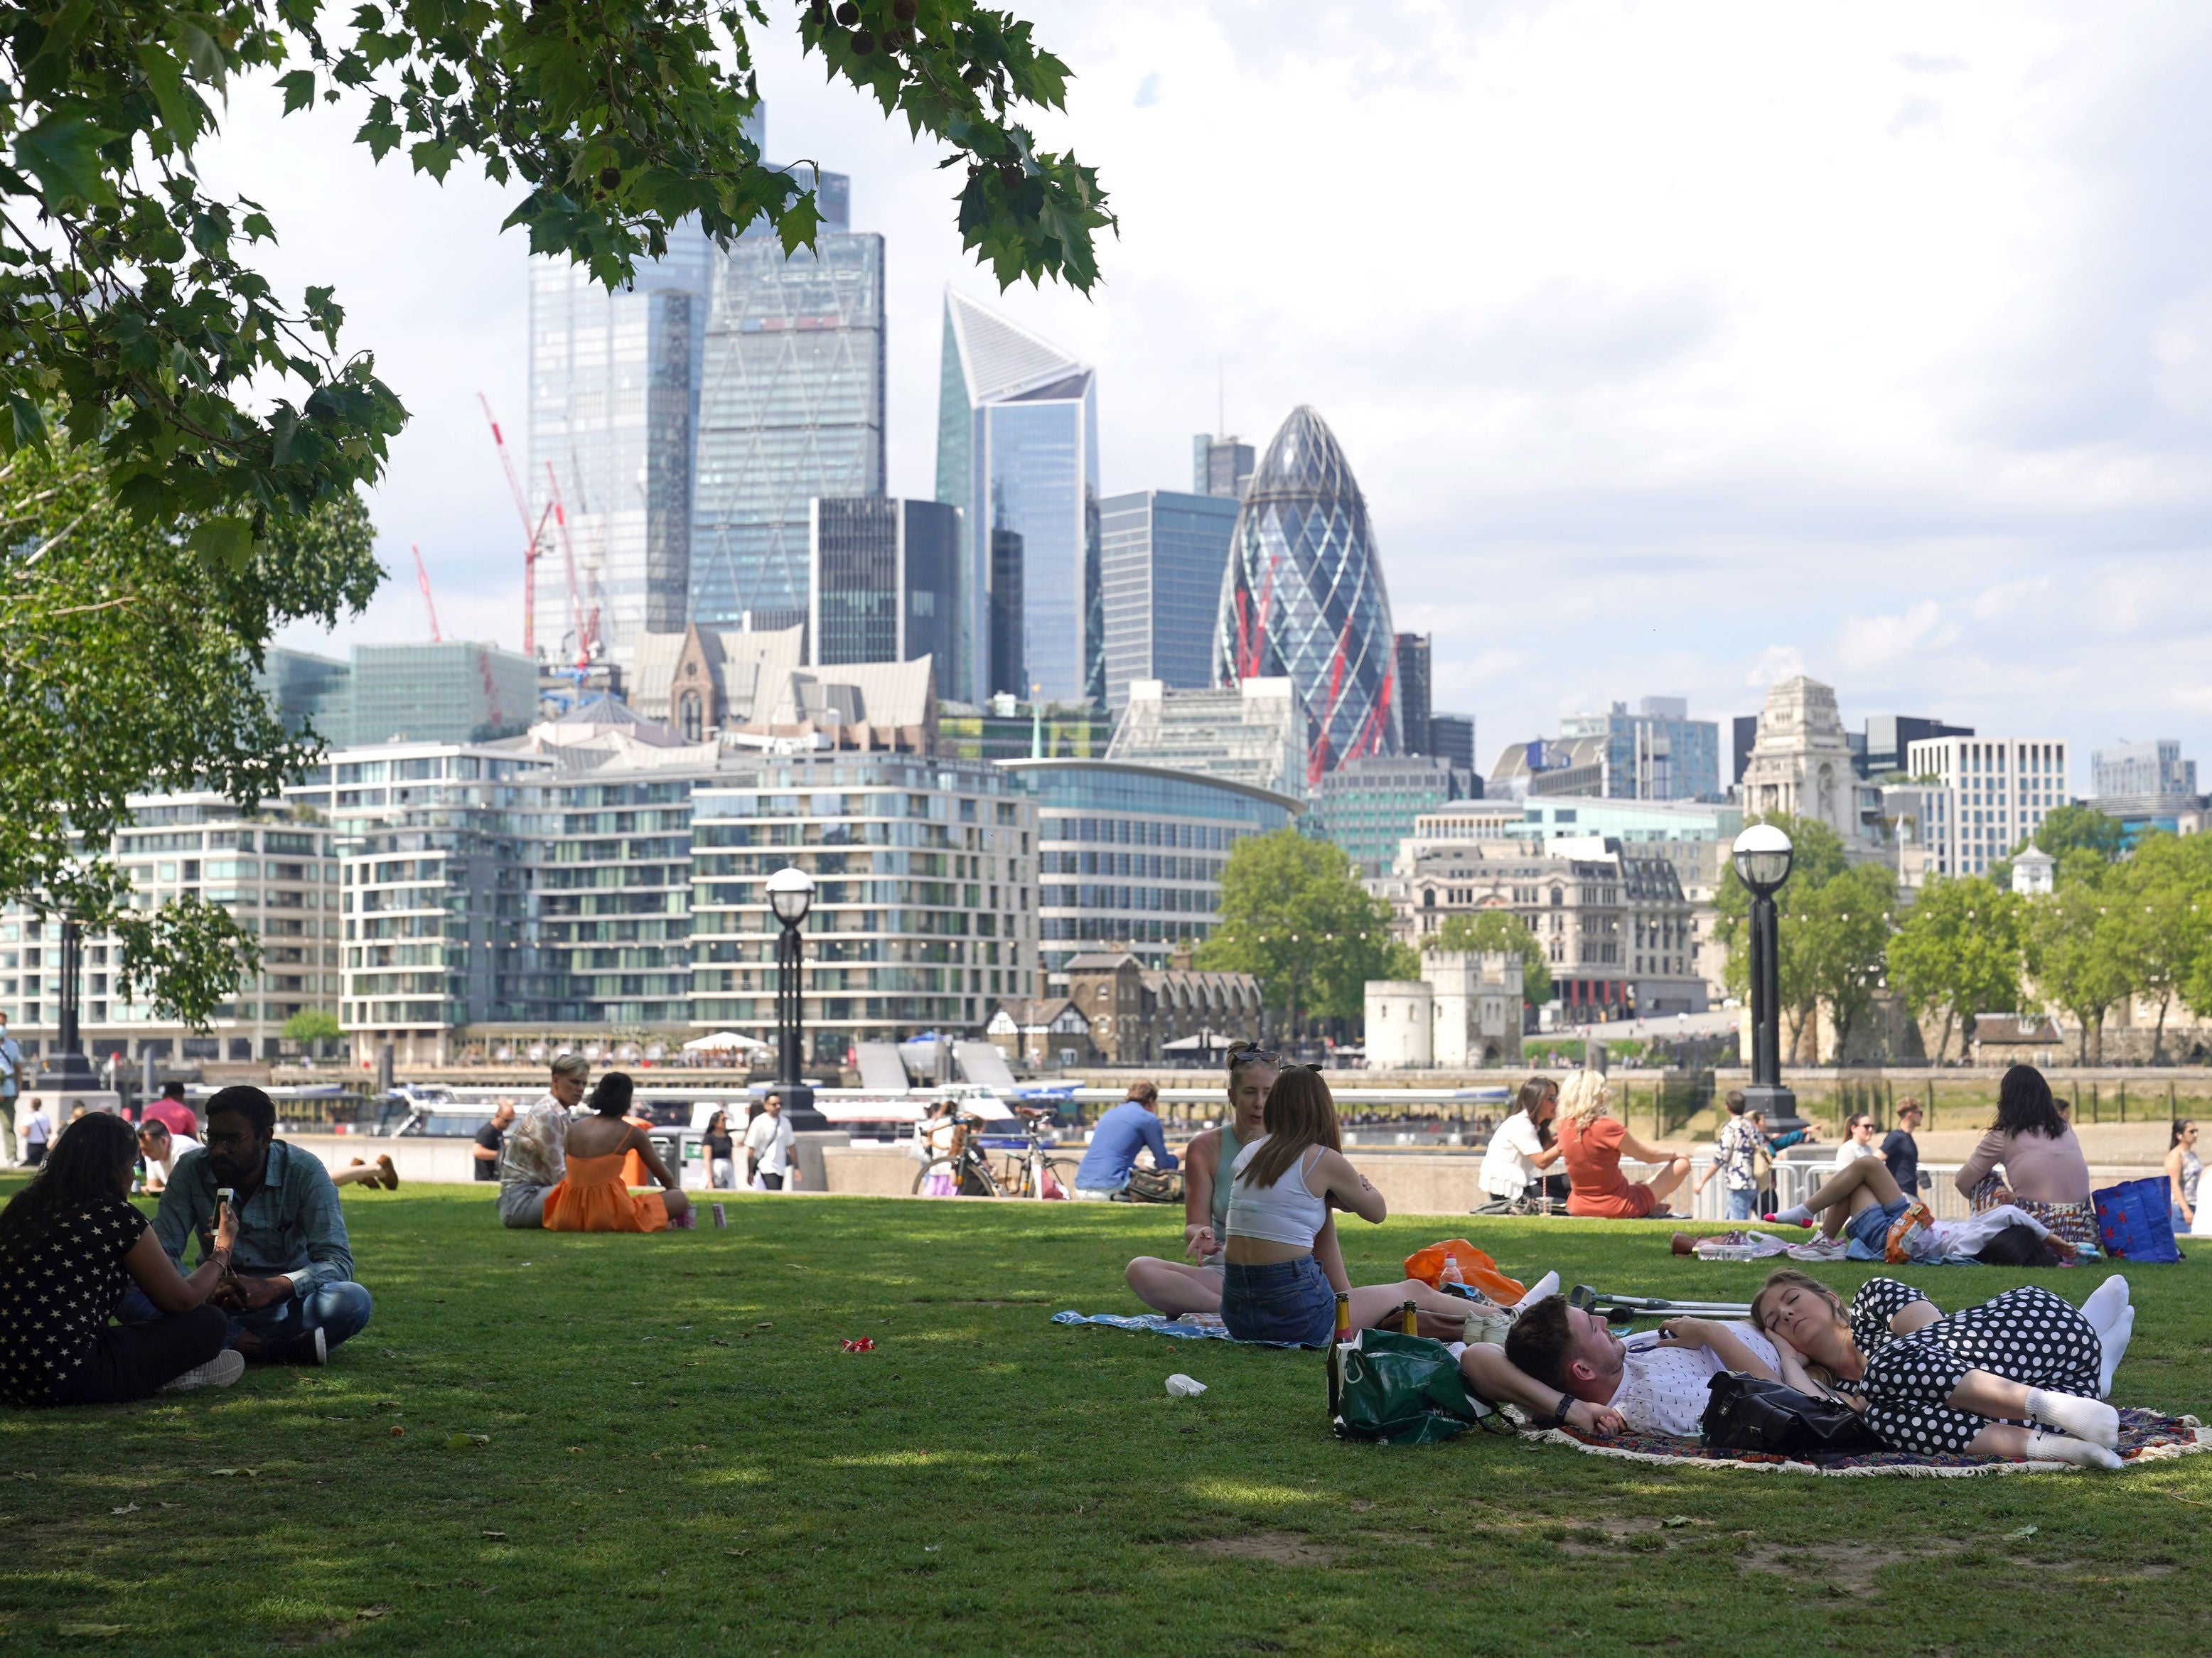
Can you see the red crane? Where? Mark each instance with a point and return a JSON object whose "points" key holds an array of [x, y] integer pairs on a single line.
{"points": [[422, 578], [533, 534], [587, 627]]}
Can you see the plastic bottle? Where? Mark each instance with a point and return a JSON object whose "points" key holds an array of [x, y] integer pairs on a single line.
{"points": [[1451, 1274]]}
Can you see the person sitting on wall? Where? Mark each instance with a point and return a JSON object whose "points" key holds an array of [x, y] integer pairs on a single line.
{"points": [[1129, 1128], [289, 1293]]}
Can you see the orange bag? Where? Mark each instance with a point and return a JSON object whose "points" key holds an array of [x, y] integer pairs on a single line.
{"points": [[1476, 1270]]}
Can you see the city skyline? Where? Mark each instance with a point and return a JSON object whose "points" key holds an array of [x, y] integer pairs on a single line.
{"points": [[1758, 441]]}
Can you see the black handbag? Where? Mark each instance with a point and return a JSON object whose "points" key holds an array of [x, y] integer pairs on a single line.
{"points": [[1750, 1414]]}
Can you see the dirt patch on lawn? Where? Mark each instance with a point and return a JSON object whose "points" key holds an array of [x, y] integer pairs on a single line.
{"points": [[1851, 1567], [1285, 1547]]}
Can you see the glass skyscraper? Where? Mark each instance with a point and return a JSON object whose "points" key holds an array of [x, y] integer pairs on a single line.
{"points": [[1160, 559], [791, 407], [884, 577], [1017, 453], [1302, 597]]}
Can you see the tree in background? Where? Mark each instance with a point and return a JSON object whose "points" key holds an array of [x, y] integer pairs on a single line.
{"points": [[1294, 915], [2160, 905], [310, 1027], [128, 669], [1845, 926], [2075, 951], [2081, 829], [1957, 951], [1503, 933]]}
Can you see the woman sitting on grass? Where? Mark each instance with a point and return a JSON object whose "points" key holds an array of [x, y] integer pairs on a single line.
{"points": [[1283, 1269], [70, 1247], [591, 1196], [1864, 1202], [1594, 1144], [2044, 1172], [1962, 1384]]}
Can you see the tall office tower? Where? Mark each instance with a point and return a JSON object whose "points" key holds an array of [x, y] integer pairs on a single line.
{"points": [[791, 407], [306, 689], [883, 580], [1219, 466], [1890, 738], [1018, 454], [1160, 559], [613, 397], [1302, 597], [1451, 737], [1414, 692], [1656, 753], [450, 693]]}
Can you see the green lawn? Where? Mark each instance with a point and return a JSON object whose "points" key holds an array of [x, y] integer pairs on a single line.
{"points": [[678, 1457]]}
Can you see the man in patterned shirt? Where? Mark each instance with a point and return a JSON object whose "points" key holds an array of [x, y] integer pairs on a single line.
{"points": [[536, 1155], [1735, 1160]]}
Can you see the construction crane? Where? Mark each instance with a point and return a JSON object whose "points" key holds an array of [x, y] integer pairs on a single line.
{"points": [[586, 626], [534, 534], [422, 577]]}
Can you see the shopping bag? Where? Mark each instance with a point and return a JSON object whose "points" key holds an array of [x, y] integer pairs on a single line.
{"points": [[2135, 1220], [1475, 1269], [1402, 1390]]}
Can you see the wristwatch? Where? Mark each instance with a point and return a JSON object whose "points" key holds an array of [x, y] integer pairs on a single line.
{"points": [[1559, 1418]]}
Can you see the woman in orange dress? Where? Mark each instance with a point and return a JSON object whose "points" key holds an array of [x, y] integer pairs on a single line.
{"points": [[1594, 1144], [591, 1197]]}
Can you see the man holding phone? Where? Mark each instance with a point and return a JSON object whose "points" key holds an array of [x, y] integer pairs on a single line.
{"points": [[290, 1292]]}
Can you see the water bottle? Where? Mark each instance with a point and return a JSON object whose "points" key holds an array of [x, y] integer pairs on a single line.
{"points": [[1451, 1274]]}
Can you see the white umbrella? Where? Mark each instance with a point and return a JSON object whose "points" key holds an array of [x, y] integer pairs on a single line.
{"points": [[725, 1040]]}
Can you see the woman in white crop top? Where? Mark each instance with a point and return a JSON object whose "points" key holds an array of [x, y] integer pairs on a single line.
{"points": [[1283, 1268]]}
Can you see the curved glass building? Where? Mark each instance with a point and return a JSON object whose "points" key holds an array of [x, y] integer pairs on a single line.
{"points": [[1302, 597]]}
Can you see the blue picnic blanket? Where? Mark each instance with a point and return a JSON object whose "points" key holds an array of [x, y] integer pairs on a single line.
{"points": [[1191, 1327]]}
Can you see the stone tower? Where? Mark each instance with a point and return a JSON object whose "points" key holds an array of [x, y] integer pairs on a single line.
{"points": [[1801, 762]]}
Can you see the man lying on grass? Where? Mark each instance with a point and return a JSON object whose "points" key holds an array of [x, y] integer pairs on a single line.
{"points": [[1564, 1366], [289, 1293]]}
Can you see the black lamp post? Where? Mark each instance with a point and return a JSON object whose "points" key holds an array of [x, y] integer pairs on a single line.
{"points": [[66, 1067], [791, 895], [1762, 855]]}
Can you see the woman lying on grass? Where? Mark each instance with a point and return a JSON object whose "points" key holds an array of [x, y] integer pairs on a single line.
{"points": [[1962, 1384], [1283, 1268], [1863, 1202], [70, 1246]]}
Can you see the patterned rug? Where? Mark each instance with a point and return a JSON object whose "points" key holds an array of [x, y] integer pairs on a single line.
{"points": [[1191, 1327], [2145, 1437]]}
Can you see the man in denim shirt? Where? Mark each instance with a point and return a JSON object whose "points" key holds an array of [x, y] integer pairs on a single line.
{"points": [[290, 1296]]}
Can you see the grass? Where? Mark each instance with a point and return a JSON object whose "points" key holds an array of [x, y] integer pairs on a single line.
{"points": [[677, 1456]]}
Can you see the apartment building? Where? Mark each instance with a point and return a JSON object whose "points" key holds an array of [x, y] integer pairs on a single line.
{"points": [[1998, 790]]}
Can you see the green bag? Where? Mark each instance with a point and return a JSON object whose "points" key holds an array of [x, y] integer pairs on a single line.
{"points": [[1403, 1390]]}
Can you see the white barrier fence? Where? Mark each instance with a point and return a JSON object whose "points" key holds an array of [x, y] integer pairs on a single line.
{"points": [[1794, 1182]]}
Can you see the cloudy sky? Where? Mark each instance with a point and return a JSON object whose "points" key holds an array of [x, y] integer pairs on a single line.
{"points": [[1678, 348]]}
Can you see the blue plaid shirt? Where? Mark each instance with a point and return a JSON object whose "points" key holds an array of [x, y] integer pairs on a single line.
{"points": [[292, 1228]]}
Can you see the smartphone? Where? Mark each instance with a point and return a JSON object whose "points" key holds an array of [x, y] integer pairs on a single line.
{"points": [[225, 1196]]}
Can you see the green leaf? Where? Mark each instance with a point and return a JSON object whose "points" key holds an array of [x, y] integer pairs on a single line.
{"points": [[227, 542], [50, 67], [180, 111], [62, 153], [299, 89], [198, 49]]}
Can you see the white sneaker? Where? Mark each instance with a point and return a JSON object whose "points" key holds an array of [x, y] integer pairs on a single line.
{"points": [[225, 1368]]}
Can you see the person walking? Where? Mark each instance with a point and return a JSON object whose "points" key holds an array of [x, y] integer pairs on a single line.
{"points": [[1735, 1160], [1900, 1152], [769, 1145], [719, 1151], [38, 1129], [11, 1073], [2183, 1168]]}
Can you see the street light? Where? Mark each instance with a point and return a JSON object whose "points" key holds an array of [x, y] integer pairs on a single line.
{"points": [[791, 895], [1762, 855]]}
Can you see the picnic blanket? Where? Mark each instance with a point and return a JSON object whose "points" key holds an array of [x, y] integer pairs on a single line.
{"points": [[2146, 1436], [1191, 1327]]}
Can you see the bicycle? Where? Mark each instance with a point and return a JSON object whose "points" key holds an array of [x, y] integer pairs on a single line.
{"points": [[968, 1169], [1028, 1172]]}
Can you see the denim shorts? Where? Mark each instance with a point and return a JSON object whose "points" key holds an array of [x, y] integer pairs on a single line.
{"points": [[1280, 1300], [1870, 1226]]}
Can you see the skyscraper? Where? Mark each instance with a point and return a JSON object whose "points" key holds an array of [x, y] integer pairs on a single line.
{"points": [[613, 397], [883, 578], [1656, 753], [1160, 559], [1414, 692], [1219, 466], [1451, 737], [1303, 598], [1017, 453], [791, 407]]}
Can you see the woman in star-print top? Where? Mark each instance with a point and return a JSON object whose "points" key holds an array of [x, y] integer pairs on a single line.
{"points": [[70, 1247]]}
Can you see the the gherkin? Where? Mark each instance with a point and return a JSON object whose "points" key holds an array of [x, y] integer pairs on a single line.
{"points": [[1302, 597]]}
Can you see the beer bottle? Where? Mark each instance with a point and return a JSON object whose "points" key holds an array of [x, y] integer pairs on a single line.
{"points": [[1405, 1317], [1336, 1352]]}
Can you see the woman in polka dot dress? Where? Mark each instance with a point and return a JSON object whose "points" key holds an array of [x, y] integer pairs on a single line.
{"points": [[2016, 1376]]}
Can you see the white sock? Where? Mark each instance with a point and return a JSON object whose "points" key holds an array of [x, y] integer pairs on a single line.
{"points": [[2058, 1447], [2115, 1342], [1796, 1215], [2105, 1303], [1546, 1285], [2085, 1418]]}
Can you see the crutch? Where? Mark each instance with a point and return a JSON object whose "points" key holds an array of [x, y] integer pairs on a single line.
{"points": [[1627, 1309]]}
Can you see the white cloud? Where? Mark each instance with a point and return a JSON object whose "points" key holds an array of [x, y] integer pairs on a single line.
{"points": [[1870, 643]]}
